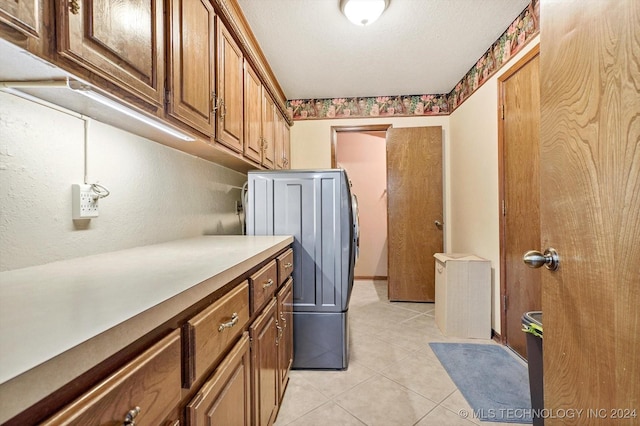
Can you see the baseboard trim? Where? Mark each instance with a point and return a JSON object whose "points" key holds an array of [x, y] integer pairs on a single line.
{"points": [[375, 277], [496, 336]]}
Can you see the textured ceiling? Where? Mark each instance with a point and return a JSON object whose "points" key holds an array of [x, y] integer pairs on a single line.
{"points": [[416, 47]]}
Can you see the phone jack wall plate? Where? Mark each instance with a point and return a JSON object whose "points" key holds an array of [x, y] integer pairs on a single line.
{"points": [[85, 202]]}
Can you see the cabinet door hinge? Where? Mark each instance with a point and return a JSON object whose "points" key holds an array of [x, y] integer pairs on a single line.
{"points": [[504, 208], [505, 302], [502, 111], [167, 97]]}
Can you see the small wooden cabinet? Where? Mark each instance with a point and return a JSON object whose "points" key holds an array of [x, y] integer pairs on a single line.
{"points": [[282, 143], [268, 131], [252, 115], [191, 80], [145, 391], [21, 22], [264, 366], [225, 399], [229, 71], [122, 41], [285, 335]]}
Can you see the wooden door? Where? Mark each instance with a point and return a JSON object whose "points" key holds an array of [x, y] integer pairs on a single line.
{"points": [[225, 399], [414, 203], [268, 131], [230, 130], [264, 366], [590, 209], [101, 37], [520, 176], [192, 64], [252, 114]]}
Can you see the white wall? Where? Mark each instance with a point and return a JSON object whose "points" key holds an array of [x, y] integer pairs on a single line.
{"points": [[311, 145], [157, 193], [473, 166]]}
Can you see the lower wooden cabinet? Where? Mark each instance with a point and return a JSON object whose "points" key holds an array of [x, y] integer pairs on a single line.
{"points": [[285, 335], [144, 392], [225, 399], [264, 366], [225, 365]]}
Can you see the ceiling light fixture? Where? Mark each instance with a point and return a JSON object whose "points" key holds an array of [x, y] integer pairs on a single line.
{"points": [[363, 12]]}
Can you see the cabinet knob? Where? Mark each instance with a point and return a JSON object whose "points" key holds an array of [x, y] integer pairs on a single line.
{"points": [[268, 284], [74, 7], [129, 419], [229, 324]]}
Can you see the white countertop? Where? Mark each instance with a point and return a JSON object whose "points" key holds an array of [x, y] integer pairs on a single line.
{"points": [[59, 319]]}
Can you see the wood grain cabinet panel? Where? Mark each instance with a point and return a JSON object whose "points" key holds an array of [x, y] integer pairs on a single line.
{"points": [[285, 335], [192, 64], [21, 22], [150, 382], [252, 114], [285, 266], [230, 129], [264, 366], [209, 333], [122, 41], [263, 285], [268, 131], [225, 399]]}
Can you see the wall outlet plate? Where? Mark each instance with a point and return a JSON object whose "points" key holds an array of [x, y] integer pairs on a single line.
{"points": [[85, 202]]}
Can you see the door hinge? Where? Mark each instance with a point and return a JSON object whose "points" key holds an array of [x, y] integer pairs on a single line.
{"points": [[502, 111], [504, 208], [167, 97], [505, 302]]}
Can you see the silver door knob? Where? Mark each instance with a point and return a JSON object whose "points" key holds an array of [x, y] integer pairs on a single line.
{"points": [[550, 259], [438, 224]]}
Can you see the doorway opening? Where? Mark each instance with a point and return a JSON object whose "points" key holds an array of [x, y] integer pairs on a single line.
{"points": [[361, 151]]}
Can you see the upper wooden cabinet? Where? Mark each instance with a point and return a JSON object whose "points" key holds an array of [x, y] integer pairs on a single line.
{"points": [[229, 131], [21, 22], [192, 64], [282, 142], [252, 114], [121, 41], [268, 131]]}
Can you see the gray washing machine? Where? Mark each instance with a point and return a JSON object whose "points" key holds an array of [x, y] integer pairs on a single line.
{"points": [[317, 208]]}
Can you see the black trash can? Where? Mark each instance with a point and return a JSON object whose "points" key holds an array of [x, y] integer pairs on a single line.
{"points": [[532, 325]]}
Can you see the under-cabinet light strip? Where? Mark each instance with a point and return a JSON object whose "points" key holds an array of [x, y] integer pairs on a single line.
{"points": [[14, 87]]}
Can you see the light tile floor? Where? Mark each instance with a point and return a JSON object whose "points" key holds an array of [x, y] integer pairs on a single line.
{"points": [[393, 379]]}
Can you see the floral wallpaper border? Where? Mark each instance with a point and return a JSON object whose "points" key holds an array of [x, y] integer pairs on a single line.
{"points": [[524, 28]]}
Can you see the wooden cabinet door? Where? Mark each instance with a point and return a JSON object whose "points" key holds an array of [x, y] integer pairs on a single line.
{"points": [[21, 22], [264, 366], [286, 141], [252, 114], [229, 130], [279, 143], [122, 41], [192, 64], [285, 335], [268, 132], [225, 399]]}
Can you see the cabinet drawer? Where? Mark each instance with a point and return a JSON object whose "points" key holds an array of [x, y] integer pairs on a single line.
{"points": [[263, 285], [148, 388], [210, 332], [285, 266]]}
